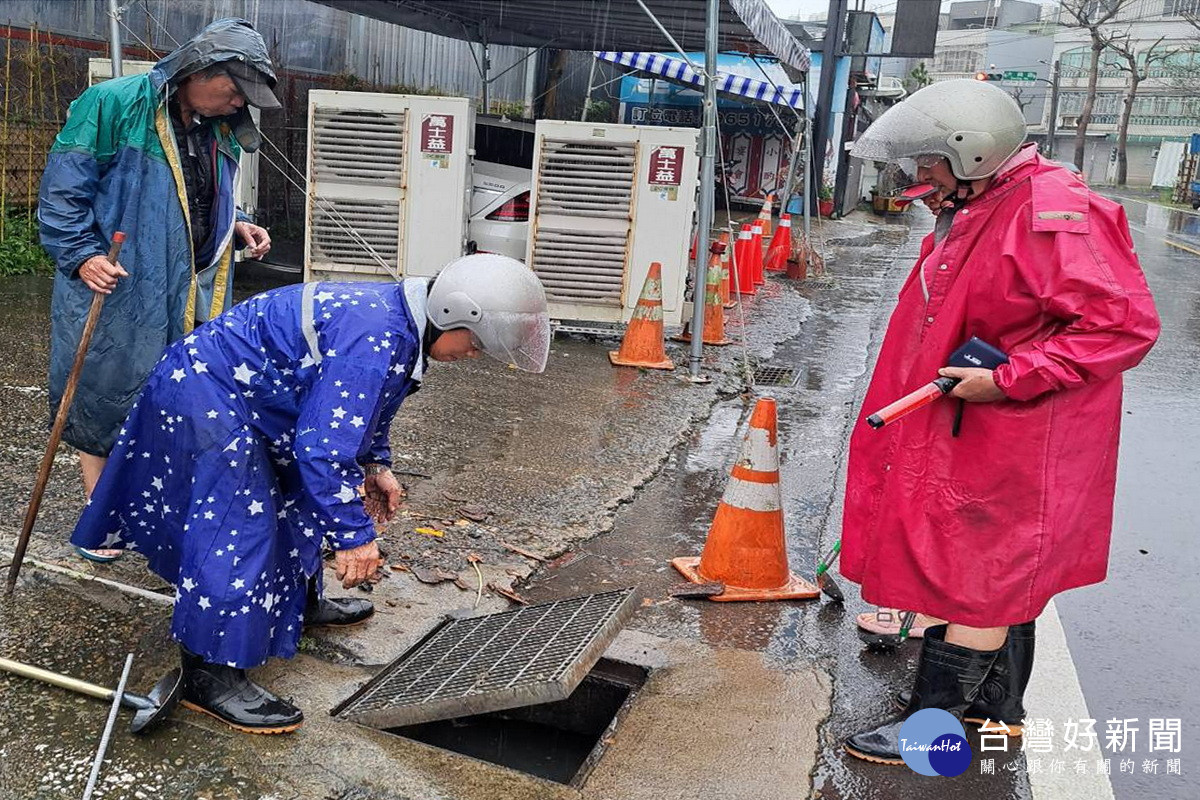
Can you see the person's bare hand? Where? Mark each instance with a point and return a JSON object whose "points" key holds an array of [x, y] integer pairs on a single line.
{"points": [[383, 495], [100, 274], [357, 565], [258, 241], [976, 385]]}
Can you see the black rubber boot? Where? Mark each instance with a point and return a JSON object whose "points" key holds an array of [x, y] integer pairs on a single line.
{"points": [[1002, 697], [334, 612], [949, 677], [227, 694]]}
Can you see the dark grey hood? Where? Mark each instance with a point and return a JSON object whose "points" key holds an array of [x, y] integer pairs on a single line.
{"points": [[223, 40]]}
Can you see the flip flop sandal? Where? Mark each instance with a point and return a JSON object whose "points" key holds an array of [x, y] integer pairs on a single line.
{"points": [[886, 621], [95, 556]]}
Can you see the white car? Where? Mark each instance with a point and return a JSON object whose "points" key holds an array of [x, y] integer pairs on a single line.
{"points": [[499, 218]]}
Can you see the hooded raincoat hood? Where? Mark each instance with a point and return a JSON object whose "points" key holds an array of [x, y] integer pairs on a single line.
{"points": [[223, 40]]}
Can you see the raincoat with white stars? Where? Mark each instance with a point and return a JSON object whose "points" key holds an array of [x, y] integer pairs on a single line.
{"points": [[244, 453]]}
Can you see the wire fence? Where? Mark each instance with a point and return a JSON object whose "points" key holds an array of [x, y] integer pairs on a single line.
{"points": [[39, 81]]}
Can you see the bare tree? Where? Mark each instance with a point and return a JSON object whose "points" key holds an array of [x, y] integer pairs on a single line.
{"points": [[1130, 54], [1091, 15], [1018, 94]]}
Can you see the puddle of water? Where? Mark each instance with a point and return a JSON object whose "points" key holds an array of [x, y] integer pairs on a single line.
{"points": [[715, 448]]}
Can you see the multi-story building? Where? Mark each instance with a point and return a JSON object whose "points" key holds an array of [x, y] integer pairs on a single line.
{"points": [[985, 36], [1167, 105]]}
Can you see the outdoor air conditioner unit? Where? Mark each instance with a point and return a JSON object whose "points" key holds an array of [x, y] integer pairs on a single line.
{"points": [[606, 201], [100, 69], [388, 176], [1069, 121]]}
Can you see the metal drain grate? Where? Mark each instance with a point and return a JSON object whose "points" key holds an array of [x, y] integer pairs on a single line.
{"points": [[774, 375], [535, 654]]}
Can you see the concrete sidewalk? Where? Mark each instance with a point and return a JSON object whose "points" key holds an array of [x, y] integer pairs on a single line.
{"points": [[540, 464]]}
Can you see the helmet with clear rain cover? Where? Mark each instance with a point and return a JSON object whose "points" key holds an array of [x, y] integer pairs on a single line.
{"points": [[974, 125], [500, 301]]}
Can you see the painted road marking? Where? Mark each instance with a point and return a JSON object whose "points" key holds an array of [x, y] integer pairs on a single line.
{"points": [[1054, 693], [1143, 230], [1116, 198]]}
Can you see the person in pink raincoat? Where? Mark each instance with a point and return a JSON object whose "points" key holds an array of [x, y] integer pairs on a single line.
{"points": [[983, 527]]}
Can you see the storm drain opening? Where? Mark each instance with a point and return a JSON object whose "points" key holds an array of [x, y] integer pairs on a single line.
{"points": [[560, 741], [774, 375], [520, 688]]}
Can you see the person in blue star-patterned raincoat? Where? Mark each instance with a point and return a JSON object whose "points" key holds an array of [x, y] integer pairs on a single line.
{"points": [[244, 453]]}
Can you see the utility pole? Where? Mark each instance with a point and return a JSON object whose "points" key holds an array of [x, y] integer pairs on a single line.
{"points": [[1052, 125], [485, 61], [704, 208], [114, 38], [831, 49]]}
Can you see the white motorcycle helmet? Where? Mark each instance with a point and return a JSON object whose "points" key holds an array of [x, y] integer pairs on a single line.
{"points": [[974, 125], [500, 301]]}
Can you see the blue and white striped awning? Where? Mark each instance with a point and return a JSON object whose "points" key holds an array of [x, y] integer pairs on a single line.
{"points": [[678, 70]]}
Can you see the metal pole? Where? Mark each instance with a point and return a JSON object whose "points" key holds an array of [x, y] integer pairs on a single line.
{"points": [[1052, 125], [108, 729], [114, 38], [487, 64], [808, 164], [829, 64], [704, 208], [587, 97]]}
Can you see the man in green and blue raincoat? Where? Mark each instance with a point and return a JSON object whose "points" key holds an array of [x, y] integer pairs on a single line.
{"points": [[155, 156]]}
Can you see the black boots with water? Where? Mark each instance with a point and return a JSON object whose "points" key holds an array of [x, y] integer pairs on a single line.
{"points": [[229, 695], [334, 612], [1002, 697], [949, 677]]}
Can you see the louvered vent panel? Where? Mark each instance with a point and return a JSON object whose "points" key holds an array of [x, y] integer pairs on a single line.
{"points": [[585, 179], [584, 263], [580, 266], [362, 147], [345, 233]]}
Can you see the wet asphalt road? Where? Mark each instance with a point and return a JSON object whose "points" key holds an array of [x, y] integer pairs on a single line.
{"points": [[1134, 637]]}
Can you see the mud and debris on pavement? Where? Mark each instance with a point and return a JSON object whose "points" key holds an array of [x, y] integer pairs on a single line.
{"points": [[521, 489]]}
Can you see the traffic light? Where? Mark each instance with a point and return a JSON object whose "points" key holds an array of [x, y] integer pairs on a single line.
{"points": [[989, 76]]}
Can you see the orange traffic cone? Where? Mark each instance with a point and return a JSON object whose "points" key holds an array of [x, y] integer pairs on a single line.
{"points": [[727, 300], [714, 314], [643, 342], [756, 254], [764, 216], [743, 265], [745, 549], [781, 245], [726, 278]]}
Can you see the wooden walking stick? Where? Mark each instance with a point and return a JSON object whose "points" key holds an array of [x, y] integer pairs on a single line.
{"points": [[60, 421]]}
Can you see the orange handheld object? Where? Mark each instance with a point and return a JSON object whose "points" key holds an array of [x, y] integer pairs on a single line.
{"points": [[912, 401]]}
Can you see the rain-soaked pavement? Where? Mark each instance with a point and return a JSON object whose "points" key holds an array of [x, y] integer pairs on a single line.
{"points": [[1134, 638], [743, 700]]}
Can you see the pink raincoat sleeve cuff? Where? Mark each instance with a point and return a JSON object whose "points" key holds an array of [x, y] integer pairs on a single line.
{"points": [[1021, 379]]}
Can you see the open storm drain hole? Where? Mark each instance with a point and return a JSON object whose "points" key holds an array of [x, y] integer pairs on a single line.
{"points": [[560, 741], [774, 375], [525, 688]]}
